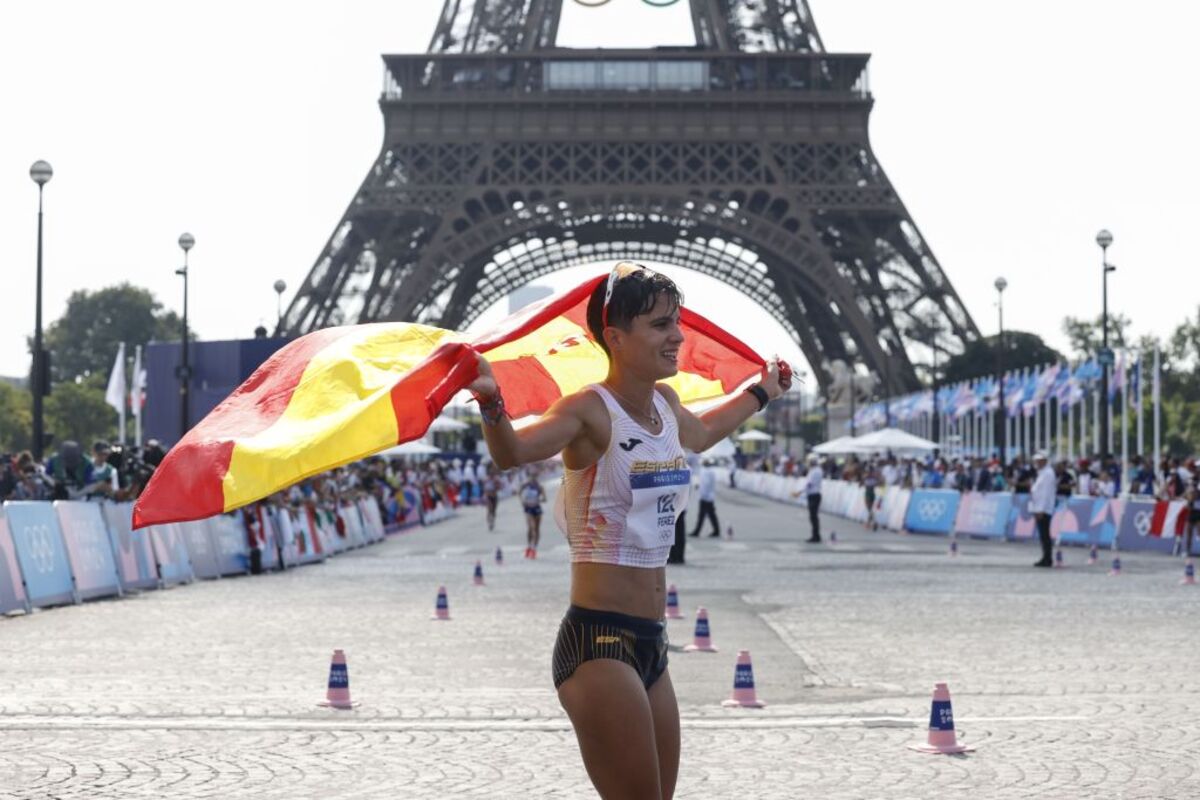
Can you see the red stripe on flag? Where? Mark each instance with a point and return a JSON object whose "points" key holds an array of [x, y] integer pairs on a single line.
{"points": [[528, 387], [423, 392]]}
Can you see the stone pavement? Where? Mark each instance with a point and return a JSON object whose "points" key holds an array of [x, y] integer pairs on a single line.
{"points": [[1070, 683]]}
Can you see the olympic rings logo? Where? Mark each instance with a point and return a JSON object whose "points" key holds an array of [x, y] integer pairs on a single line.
{"points": [[1141, 523], [930, 510], [41, 548]]}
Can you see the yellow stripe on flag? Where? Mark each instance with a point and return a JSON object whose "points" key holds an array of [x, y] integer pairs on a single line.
{"points": [[341, 410]]}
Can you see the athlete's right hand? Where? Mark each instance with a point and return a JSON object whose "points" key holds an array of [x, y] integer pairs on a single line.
{"points": [[485, 385]]}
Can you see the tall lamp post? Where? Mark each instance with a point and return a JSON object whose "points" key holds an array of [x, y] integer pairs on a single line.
{"points": [[186, 243], [1104, 239], [1001, 285], [280, 288], [41, 173]]}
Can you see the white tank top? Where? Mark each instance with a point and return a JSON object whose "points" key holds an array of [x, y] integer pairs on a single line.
{"points": [[622, 509]]}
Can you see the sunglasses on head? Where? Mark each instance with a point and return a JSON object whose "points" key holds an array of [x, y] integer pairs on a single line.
{"points": [[619, 271]]}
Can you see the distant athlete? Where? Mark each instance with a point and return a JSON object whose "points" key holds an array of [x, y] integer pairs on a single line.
{"points": [[490, 486], [532, 497], [625, 482]]}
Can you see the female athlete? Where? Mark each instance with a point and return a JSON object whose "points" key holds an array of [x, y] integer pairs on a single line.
{"points": [[625, 480], [532, 497]]}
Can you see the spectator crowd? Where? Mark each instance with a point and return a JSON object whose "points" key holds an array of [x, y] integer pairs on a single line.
{"points": [[1171, 479], [408, 490]]}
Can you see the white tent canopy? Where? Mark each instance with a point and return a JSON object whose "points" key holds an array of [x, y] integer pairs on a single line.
{"points": [[722, 449], [893, 439], [834, 447], [887, 440], [446, 424], [413, 448], [754, 436]]}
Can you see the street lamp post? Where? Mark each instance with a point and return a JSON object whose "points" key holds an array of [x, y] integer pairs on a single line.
{"points": [[1104, 239], [186, 243], [853, 403], [41, 173], [280, 288], [1001, 285]]}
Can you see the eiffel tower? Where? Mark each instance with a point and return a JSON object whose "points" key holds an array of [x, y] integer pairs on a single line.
{"points": [[744, 157]]}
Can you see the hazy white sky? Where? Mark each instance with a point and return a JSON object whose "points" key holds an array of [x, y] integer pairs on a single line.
{"points": [[1013, 131]]}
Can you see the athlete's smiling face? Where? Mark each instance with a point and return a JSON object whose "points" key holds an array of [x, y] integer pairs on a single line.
{"points": [[650, 348]]}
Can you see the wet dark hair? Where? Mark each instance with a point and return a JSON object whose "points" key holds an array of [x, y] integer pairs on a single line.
{"points": [[633, 294]]}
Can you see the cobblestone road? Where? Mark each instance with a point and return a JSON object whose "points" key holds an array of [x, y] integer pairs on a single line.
{"points": [[1070, 683]]}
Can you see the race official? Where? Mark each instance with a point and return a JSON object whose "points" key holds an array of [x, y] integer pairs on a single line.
{"points": [[1041, 505], [812, 489]]}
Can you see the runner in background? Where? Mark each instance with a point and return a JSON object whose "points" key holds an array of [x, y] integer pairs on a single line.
{"points": [[870, 480], [532, 497], [490, 485]]}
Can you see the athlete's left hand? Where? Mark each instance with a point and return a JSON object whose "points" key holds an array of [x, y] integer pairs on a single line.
{"points": [[776, 378]]}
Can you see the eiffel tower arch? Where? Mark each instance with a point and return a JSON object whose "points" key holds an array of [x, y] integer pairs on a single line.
{"points": [[745, 158]]}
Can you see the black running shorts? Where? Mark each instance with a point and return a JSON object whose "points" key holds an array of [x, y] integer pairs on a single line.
{"points": [[586, 634]]}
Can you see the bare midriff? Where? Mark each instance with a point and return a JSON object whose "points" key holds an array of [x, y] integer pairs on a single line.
{"points": [[636, 591]]}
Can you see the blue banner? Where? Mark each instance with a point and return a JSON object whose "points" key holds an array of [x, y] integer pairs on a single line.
{"points": [[134, 557], [1021, 524], [171, 553], [984, 514], [1135, 531], [932, 511], [41, 553], [229, 540], [1086, 521], [12, 588], [88, 548], [200, 550]]}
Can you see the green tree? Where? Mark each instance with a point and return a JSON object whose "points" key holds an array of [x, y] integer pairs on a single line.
{"points": [[1086, 336], [979, 358], [77, 410], [16, 418], [83, 342]]}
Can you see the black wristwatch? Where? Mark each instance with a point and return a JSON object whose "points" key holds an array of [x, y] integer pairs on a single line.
{"points": [[760, 394]]}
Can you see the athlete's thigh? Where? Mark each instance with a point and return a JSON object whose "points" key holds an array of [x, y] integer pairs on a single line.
{"points": [[610, 712], [665, 711]]}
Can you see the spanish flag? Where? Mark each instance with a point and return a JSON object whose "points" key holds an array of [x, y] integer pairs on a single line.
{"points": [[340, 394]]}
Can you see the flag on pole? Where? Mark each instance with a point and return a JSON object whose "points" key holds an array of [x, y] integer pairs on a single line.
{"points": [[341, 394], [137, 395], [1156, 405], [1118, 376], [1135, 384], [115, 394], [137, 390]]}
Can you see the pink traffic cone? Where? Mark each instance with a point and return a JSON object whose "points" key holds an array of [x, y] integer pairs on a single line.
{"points": [[1093, 555], [1116, 567], [478, 574], [1058, 558], [1189, 574], [743, 684], [499, 556], [442, 610], [338, 693], [701, 643], [942, 738], [673, 603]]}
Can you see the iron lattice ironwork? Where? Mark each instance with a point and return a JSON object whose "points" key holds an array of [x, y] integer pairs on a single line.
{"points": [[745, 157]]}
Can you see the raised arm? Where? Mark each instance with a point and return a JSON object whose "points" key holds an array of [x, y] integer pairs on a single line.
{"points": [[700, 432], [557, 428]]}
